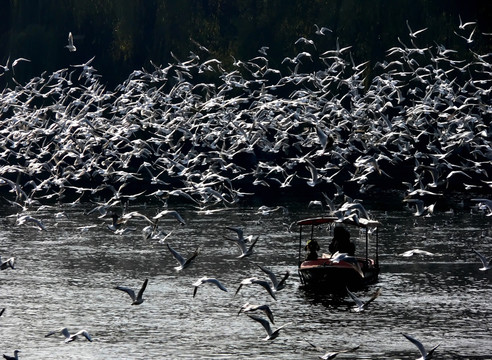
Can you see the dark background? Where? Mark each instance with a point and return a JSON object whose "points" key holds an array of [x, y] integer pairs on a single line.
{"points": [[124, 35]]}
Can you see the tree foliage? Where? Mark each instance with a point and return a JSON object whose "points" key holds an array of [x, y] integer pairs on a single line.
{"points": [[126, 34]]}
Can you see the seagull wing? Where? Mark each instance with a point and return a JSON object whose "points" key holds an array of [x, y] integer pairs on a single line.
{"points": [[65, 333], [217, 283], [373, 297], [176, 255], [142, 289], [281, 284], [358, 301], [85, 334], [192, 257], [270, 274], [266, 286], [128, 291], [417, 343], [263, 322], [483, 259]]}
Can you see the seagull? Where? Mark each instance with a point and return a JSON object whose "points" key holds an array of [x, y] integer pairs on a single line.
{"points": [[487, 264], [413, 34], [170, 212], [362, 305], [183, 263], [468, 39], [416, 251], [2, 311], [27, 218], [9, 263], [70, 45], [15, 357], [425, 355], [240, 241], [462, 25], [253, 280], [322, 30], [484, 204], [138, 299], [420, 208], [251, 307], [204, 280], [266, 324], [68, 337], [331, 354], [277, 286]]}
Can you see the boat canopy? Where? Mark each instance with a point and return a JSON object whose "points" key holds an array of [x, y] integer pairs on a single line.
{"points": [[360, 222]]}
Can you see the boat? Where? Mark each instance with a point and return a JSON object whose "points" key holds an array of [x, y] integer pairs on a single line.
{"points": [[339, 271]]}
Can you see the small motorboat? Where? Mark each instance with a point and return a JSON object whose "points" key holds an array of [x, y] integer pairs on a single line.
{"points": [[339, 271]]}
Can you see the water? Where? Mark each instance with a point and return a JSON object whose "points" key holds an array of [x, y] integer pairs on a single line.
{"points": [[66, 277]]}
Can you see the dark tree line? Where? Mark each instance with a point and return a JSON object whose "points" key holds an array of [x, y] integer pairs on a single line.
{"points": [[126, 34]]}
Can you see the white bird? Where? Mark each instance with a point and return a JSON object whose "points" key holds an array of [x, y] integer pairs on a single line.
{"points": [[266, 324], [416, 251], [462, 25], [9, 263], [15, 357], [136, 300], [468, 39], [331, 354], [413, 34], [277, 285], [16, 61], [425, 355], [183, 263], [71, 337], [362, 305], [170, 212], [240, 242], [70, 45], [253, 280], [484, 204], [487, 264], [322, 30], [420, 208], [27, 218], [204, 280], [251, 307]]}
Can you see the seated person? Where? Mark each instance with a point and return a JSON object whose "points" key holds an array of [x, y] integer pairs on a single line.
{"points": [[312, 247], [341, 242]]}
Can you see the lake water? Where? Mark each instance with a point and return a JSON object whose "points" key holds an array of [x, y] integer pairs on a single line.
{"points": [[65, 277]]}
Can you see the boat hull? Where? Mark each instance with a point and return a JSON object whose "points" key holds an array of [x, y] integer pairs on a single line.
{"points": [[325, 275]]}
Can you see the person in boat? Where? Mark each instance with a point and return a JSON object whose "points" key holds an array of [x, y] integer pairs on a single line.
{"points": [[312, 248], [341, 241]]}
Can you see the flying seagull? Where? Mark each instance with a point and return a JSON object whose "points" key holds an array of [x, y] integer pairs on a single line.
{"points": [[70, 45], [277, 285], [204, 280], [266, 324], [183, 263], [251, 307], [245, 251], [9, 263], [425, 355], [71, 337], [362, 305], [331, 354], [487, 264], [136, 300], [253, 280]]}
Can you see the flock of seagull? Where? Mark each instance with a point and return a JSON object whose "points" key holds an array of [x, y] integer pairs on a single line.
{"points": [[417, 122], [420, 118]]}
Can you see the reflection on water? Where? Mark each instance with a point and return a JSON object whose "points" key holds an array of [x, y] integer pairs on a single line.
{"points": [[66, 277]]}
